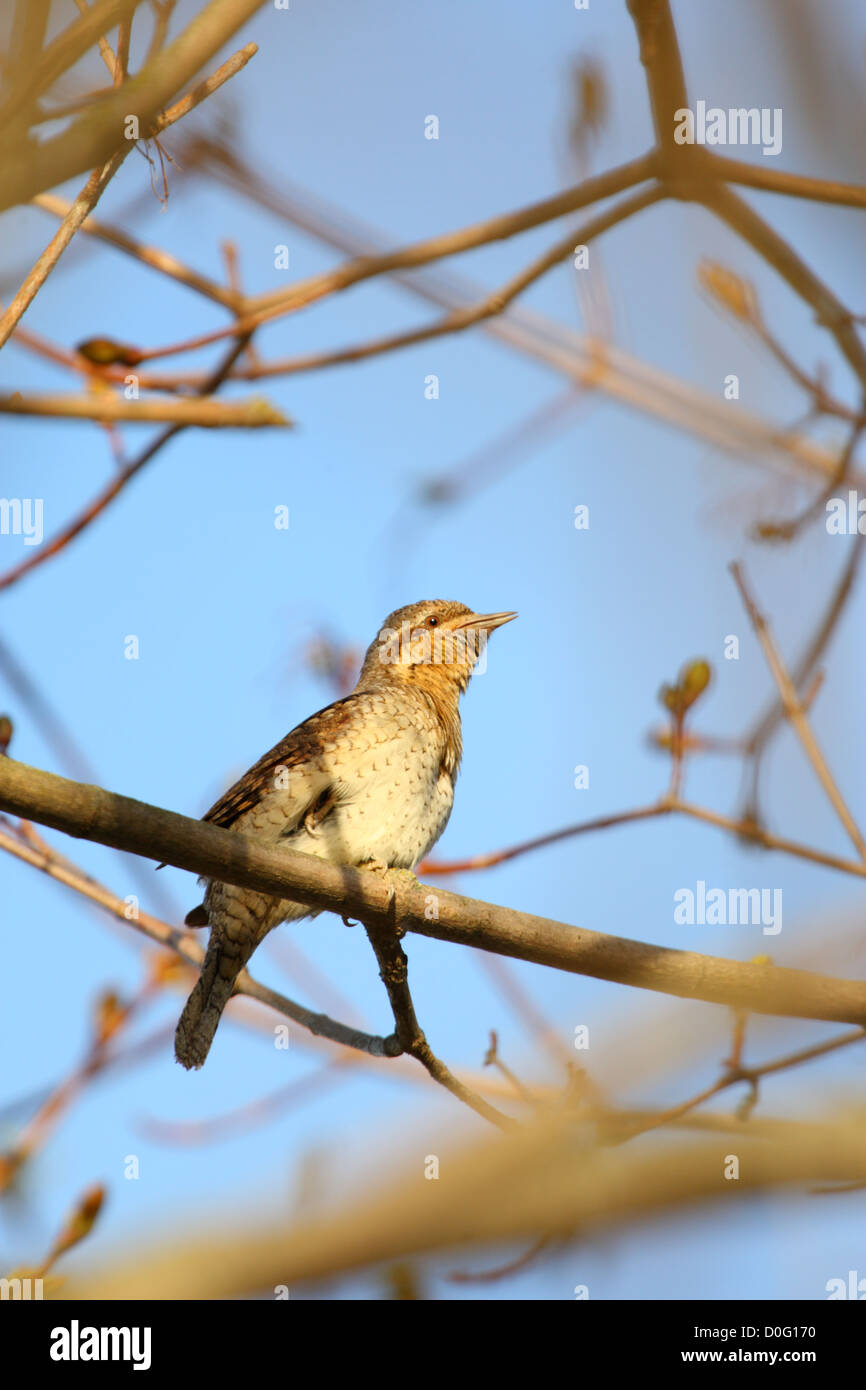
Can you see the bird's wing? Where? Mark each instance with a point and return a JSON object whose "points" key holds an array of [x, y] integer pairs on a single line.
{"points": [[301, 749], [313, 789]]}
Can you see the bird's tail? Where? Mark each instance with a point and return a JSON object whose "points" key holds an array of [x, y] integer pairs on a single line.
{"points": [[203, 1010]]}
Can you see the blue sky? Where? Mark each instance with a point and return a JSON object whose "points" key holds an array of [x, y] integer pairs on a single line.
{"points": [[189, 560]]}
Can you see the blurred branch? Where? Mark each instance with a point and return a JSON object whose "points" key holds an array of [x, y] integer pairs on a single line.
{"points": [[111, 1017], [815, 649], [206, 413], [122, 478], [106, 52], [501, 856], [598, 366], [793, 185], [539, 1181], [829, 310], [666, 83], [263, 308], [96, 184], [787, 530], [78, 211], [795, 712], [99, 133], [183, 943], [151, 256], [61, 53], [29, 24], [490, 306], [744, 828], [734, 1073]]}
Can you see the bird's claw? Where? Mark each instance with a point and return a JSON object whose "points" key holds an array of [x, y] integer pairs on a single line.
{"points": [[390, 874]]}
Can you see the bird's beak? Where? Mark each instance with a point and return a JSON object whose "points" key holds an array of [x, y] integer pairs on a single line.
{"points": [[484, 622]]}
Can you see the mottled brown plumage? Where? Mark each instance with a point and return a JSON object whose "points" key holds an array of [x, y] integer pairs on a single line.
{"points": [[368, 779]]}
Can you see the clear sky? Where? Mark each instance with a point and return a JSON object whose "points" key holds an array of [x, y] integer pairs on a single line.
{"points": [[223, 604]]}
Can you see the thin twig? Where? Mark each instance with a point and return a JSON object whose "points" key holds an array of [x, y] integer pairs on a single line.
{"points": [[122, 478], [792, 185], [206, 413], [186, 946], [394, 973], [795, 712], [152, 256], [787, 530], [490, 306], [733, 1075], [274, 304], [79, 210]]}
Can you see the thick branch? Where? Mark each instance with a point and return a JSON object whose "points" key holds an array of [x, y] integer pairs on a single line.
{"points": [[91, 813], [507, 1188], [61, 53], [660, 55]]}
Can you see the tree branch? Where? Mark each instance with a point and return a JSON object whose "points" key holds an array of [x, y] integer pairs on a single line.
{"points": [[91, 813], [205, 412], [185, 945], [99, 133], [273, 304], [394, 974], [794, 185]]}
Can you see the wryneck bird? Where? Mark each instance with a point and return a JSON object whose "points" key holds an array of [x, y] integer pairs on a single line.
{"points": [[367, 780]]}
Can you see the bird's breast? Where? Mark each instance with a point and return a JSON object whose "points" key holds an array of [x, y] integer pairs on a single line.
{"points": [[393, 802]]}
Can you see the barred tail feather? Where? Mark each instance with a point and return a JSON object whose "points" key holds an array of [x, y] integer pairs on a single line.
{"points": [[213, 990]]}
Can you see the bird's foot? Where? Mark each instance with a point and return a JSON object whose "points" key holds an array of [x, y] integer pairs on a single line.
{"points": [[393, 877], [404, 876], [376, 866]]}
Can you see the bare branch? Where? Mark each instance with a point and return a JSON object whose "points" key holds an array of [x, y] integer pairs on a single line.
{"points": [[99, 133], [796, 713], [123, 477], [793, 185], [76, 215], [207, 413], [92, 813], [394, 974]]}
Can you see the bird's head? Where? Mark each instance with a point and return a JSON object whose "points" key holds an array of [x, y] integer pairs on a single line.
{"points": [[434, 645]]}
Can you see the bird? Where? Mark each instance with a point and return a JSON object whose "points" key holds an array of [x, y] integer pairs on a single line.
{"points": [[368, 780]]}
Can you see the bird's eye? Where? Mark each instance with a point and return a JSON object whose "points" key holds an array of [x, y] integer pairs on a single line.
{"points": [[432, 621]]}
